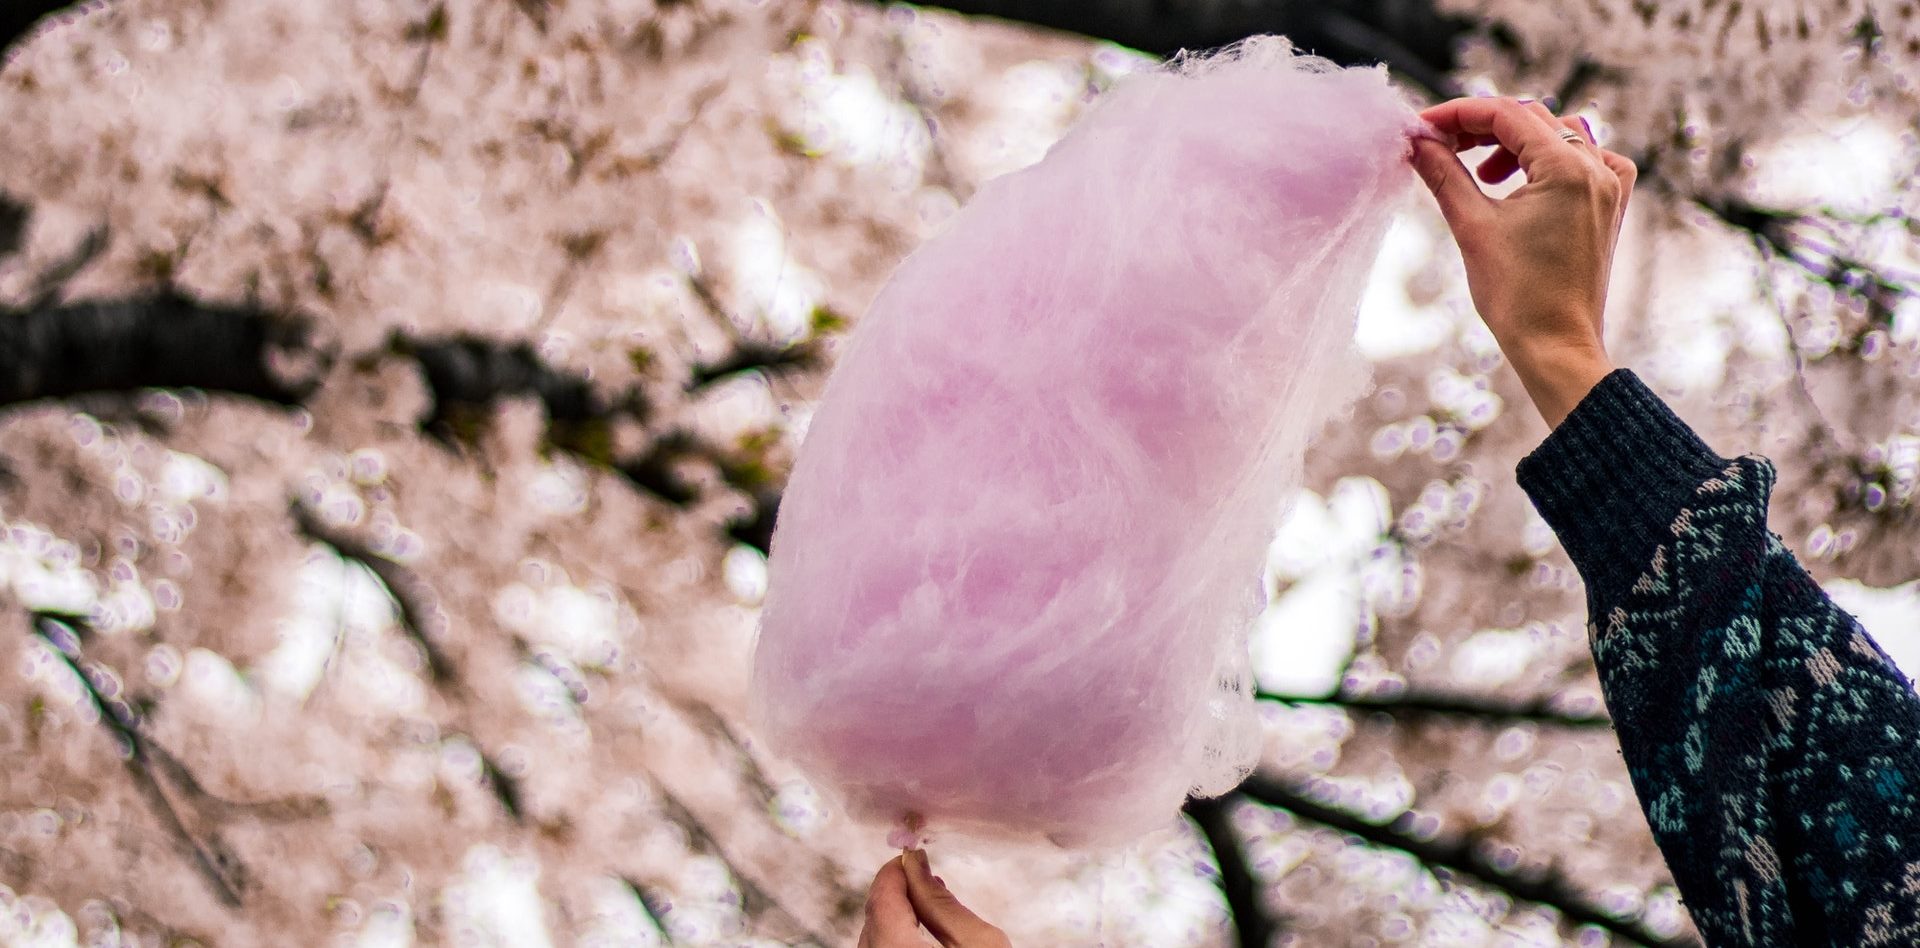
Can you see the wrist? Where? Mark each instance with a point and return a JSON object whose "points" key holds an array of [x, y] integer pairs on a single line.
{"points": [[1558, 376]]}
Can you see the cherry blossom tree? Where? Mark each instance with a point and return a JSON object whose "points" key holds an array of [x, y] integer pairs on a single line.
{"points": [[395, 400]]}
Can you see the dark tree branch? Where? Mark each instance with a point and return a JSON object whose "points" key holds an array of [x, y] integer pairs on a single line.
{"points": [[419, 608], [164, 342], [1253, 922], [420, 615], [1460, 855], [653, 471], [13, 225], [469, 374], [652, 906], [755, 527], [1436, 705], [219, 867], [504, 788], [49, 284], [1776, 234], [1413, 38], [121, 346], [754, 898], [1584, 72], [749, 356]]}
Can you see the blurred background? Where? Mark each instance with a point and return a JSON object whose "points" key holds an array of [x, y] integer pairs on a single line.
{"points": [[395, 399]]}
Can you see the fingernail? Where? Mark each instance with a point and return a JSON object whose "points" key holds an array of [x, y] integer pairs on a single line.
{"points": [[1523, 101], [942, 883], [1588, 126]]}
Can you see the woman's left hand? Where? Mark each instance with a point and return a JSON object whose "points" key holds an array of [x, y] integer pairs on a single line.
{"points": [[906, 895]]}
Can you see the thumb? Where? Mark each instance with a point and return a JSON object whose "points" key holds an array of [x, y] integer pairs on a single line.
{"points": [[941, 912], [1452, 185]]}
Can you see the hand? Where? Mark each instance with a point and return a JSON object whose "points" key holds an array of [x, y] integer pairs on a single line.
{"points": [[1537, 260], [906, 895]]}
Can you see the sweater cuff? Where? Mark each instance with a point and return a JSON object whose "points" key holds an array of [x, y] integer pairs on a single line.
{"points": [[1611, 478]]}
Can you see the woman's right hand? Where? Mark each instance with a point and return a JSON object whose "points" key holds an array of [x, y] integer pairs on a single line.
{"points": [[906, 895], [1538, 260]]}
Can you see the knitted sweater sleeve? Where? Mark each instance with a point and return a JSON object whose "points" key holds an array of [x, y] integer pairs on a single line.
{"points": [[1773, 746]]}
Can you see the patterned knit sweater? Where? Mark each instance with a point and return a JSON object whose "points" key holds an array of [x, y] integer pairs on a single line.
{"points": [[1774, 747]]}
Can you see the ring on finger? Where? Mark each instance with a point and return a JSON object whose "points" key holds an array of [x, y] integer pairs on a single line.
{"points": [[1569, 135]]}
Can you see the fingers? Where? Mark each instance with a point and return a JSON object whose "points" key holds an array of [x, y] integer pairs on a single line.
{"points": [[1449, 181], [1624, 169], [941, 912], [890, 919], [1501, 165], [1528, 131], [1498, 166], [1580, 125]]}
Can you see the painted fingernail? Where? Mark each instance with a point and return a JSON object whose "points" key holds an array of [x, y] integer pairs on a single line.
{"points": [[1588, 126]]}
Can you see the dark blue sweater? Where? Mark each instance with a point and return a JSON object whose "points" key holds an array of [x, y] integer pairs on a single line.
{"points": [[1774, 747]]}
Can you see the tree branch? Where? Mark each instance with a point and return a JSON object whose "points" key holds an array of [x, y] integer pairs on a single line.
{"points": [[1458, 855], [171, 341], [749, 355], [417, 603], [1773, 233], [218, 867], [652, 906], [1253, 922], [467, 375], [754, 899], [162, 342], [13, 224], [1485, 709], [419, 608]]}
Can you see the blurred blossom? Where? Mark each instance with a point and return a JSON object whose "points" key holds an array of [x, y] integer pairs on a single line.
{"points": [[388, 925], [1302, 641], [1494, 657], [496, 902], [847, 115], [44, 572], [588, 627], [1391, 325], [560, 488], [780, 292], [745, 570]]}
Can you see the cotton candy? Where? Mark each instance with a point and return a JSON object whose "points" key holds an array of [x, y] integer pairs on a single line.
{"points": [[1023, 543]]}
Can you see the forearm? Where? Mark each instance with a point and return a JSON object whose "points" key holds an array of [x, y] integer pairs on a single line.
{"points": [[1775, 750]]}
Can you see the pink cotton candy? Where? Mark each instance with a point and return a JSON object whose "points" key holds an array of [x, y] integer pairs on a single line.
{"points": [[1025, 538]]}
